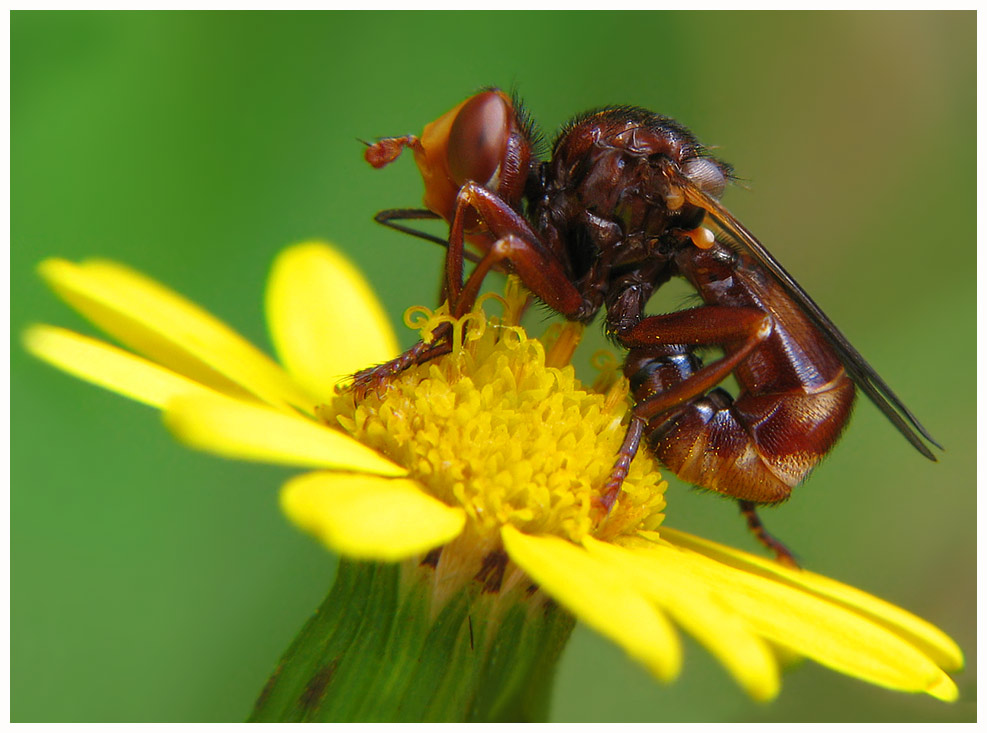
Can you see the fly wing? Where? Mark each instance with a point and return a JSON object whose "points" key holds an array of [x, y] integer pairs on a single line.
{"points": [[857, 367]]}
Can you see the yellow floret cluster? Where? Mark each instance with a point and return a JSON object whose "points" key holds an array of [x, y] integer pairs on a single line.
{"points": [[491, 428]]}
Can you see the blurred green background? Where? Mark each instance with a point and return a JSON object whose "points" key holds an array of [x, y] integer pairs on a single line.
{"points": [[150, 583]]}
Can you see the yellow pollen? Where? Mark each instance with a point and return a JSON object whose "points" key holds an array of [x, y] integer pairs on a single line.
{"points": [[491, 428]]}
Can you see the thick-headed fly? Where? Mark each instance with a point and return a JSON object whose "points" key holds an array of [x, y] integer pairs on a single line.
{"points": [[627, 200]]}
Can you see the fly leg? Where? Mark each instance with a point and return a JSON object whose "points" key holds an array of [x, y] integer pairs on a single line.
{"points": [[667, 382], [738, 330], [659, 349], [373, 378], [754, 524], [514, 246], [389, 217], [628, 449], [754, 448]]}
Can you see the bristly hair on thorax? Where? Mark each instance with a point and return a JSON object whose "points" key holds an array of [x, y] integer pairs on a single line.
{"points": [[648, 120]]}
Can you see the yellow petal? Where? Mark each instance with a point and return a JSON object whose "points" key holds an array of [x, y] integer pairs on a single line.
{"points": [[368, 517], [325, 321], [599, 594], [237, 429], [829, 633], [944, 689], [689, 602], [108, 366], [170, 330], [933, 642]]}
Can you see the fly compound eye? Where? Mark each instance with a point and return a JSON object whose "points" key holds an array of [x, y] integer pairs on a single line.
{"points": [[706, 175], [478, 138]]}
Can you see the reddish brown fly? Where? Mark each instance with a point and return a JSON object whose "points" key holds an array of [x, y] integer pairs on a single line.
{"points": [[627, 200]]}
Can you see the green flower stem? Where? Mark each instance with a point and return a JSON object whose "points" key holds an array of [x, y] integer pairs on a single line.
{"points": [[378, 649]]}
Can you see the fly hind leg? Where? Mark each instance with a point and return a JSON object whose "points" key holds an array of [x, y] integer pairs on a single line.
{"points": [[749, 511]]}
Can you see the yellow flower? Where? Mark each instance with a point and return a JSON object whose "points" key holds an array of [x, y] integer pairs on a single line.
{"points": [[494, 451]]}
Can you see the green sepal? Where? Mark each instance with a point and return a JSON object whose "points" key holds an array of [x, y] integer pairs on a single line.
{"points": [[381, 649]]}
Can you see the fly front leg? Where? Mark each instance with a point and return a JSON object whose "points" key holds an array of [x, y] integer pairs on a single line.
{"points": [[375, 377], [511, 245], [516, 246]]}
